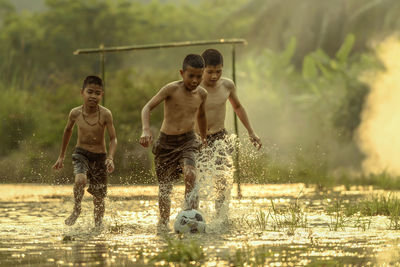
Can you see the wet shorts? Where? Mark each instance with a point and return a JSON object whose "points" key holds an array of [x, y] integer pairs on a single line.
{"points": [[172, 152], [93, 165]]}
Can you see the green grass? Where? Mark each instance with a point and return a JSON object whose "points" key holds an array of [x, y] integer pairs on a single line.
{"points": [[250, 256], [180, 251], [364, 210], [386, 205], [356, 213], [290, 217], [276, 218], [363, 223], [336, 216]]}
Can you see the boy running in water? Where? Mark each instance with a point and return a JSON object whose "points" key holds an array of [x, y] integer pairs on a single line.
{"points": [[90, 159], [177, 143]]}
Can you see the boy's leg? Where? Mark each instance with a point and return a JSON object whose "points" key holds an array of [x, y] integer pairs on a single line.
{"points": [[191, 197], [99, 208], [164, 202], [79, 190]]}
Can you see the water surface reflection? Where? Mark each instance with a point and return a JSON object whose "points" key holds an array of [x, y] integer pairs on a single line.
{"points": [[273, 224]]}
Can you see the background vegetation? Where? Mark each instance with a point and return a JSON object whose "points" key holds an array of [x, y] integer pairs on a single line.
{"points": [[299, 78]]}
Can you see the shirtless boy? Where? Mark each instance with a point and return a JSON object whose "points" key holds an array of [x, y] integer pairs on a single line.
{"points": [[177, 143], [90, 158], [219, 90]]}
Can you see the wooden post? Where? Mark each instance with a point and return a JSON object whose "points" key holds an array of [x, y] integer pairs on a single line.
{"points": [[103, 73], [236, 156]]}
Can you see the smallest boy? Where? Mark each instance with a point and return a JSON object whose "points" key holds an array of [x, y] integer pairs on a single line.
{"points": [[90, 159]]}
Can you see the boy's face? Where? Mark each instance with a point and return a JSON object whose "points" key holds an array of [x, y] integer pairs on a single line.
{"points": [[192, 77], [92, 95], [212, 74]]}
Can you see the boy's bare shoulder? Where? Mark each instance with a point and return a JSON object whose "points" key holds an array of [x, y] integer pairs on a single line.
{"points": [[202, 91], [105, 112], [75, 112], [172, 86], [227, 83]]}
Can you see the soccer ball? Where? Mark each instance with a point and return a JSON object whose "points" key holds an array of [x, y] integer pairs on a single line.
{"points": [[189, 221]]}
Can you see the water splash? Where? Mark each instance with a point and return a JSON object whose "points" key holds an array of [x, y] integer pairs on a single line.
{"points": [[215, 171]]}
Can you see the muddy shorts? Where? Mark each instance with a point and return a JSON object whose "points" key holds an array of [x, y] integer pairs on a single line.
{"points": [[93, 165], [172, 152]]}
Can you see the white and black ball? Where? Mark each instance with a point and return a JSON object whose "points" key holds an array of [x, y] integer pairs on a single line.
{"points": [[189, 221]]}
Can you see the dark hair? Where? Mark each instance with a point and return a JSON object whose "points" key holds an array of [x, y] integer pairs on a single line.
{"points": [[194, 61], [92, 80], [212, 57]]}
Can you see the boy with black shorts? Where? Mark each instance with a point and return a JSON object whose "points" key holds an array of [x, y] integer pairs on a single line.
{"points": [[177, 144], [90, 159]]}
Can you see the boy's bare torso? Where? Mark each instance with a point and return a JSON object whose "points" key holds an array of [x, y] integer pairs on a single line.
{"points": [[216, 104], [91, 128], [180, 108]]}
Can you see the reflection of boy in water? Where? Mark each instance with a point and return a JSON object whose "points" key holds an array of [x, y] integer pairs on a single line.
{"points": [[89, 158], [176, 146], [219, 90]]}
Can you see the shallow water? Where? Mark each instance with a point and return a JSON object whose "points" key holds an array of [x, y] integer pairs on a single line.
{"points": [[32, 230]]}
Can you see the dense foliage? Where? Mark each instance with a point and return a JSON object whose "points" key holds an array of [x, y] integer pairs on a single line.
{"points": [[299, 75]]}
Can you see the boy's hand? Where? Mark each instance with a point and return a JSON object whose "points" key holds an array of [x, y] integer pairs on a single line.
{"points": [[146, 139], [59, 163], [110, 165], [255, 140]]}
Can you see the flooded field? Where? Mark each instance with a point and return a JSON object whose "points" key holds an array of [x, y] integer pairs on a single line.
{"points": [[272, 225]]}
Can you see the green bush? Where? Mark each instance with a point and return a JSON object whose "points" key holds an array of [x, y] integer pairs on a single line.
{"points": [[17, 120]]}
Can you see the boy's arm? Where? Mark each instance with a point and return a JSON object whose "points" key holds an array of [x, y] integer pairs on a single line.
{"points": [[202, 119], [112, 146], [146, 138], [65, 139], [241, 113]]}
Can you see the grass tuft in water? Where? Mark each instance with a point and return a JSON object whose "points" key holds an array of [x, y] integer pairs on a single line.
{"points": [[250, 256], [386, 205], [180, 251], [336, 216], [291, 217], [394, 218], [277, 219], [379, 205], [363, 223], [262, 220]]}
